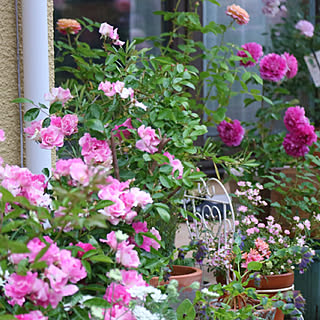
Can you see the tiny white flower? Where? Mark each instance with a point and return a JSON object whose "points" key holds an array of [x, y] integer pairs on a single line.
{"points": [[121, 236]]}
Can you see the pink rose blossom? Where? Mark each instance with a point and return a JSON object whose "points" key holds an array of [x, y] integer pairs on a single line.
{"points": [[55, 121], [51, 137], [305, 27], [292, 65], [255, 50], [58, 94], [71, 266], [69, 124], [86, 247], [147, 242], [132, 278], [94, 150], [111, 240], [124, 133], [79, 172], [33, 131], [175, 164], [105, 29], [149, 139], [117, 294], [32, 315], [292, 148], [127, 256], [273, 67], [141, 198], [293, 117], [304, 134], [17, 287], [231, 133], [107, 88]]}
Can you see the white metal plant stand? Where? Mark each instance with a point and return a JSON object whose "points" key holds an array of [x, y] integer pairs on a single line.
{"points": [[214, 212]]}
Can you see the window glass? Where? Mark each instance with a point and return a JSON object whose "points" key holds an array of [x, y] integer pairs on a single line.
{"points": [[252, 32]]}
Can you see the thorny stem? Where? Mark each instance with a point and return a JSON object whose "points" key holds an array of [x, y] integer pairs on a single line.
{"points": [[114, 158], [162, 144]]}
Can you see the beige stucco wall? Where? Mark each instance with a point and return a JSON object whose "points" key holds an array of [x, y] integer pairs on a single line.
{"points": [[9, 113]]}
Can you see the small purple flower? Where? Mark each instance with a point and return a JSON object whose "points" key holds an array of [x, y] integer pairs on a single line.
{"points": [[306, 28], [255, 50], [231, 133], [273, 67]]}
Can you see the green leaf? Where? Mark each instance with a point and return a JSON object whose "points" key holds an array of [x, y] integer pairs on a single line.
{"points": [[31, 114], [55, 107], [7, 317], [164, 214], [103, 203], [95, 124], [97, 302], [254, 266], [101, 258], [186, 311], [138, 238], [246, 76], [22, 100], [165, 181]]}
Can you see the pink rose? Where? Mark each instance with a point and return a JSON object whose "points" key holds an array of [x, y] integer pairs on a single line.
{"points": [[2, 135], [111, 240], [175, 164], [273, 67], [69, 124], [305, 27], [94, 150], [86, 247], [51, 137], [33, 131], [292, 65], [72, 266], [149, 139], [105, 29], [80, 173], [294, 117], [127, 256], [124, 133], [107, 88], [255, 50], [58, 94], [17, 287], [142, 198], [32, 315], [131, 278], [231, 133], [117, 294]]}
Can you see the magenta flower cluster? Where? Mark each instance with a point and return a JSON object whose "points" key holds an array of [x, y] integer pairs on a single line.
{"points": [[58, 94], [255, 50], [273, 67], [301, 132], [231, 133], [49, 286]]}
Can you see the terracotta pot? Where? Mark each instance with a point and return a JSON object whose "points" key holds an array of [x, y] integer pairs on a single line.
{"points": [[274, 283], [183, 274]]}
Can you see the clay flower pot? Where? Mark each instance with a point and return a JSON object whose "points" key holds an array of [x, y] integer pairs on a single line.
{"points": [[272, 284], [183, 274]]}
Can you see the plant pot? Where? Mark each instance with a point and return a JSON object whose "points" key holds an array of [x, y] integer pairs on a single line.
{"points": [[183, 274], [272, 284]]}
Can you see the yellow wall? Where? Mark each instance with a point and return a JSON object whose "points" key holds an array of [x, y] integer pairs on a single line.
{"points": [[9, 113]]}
